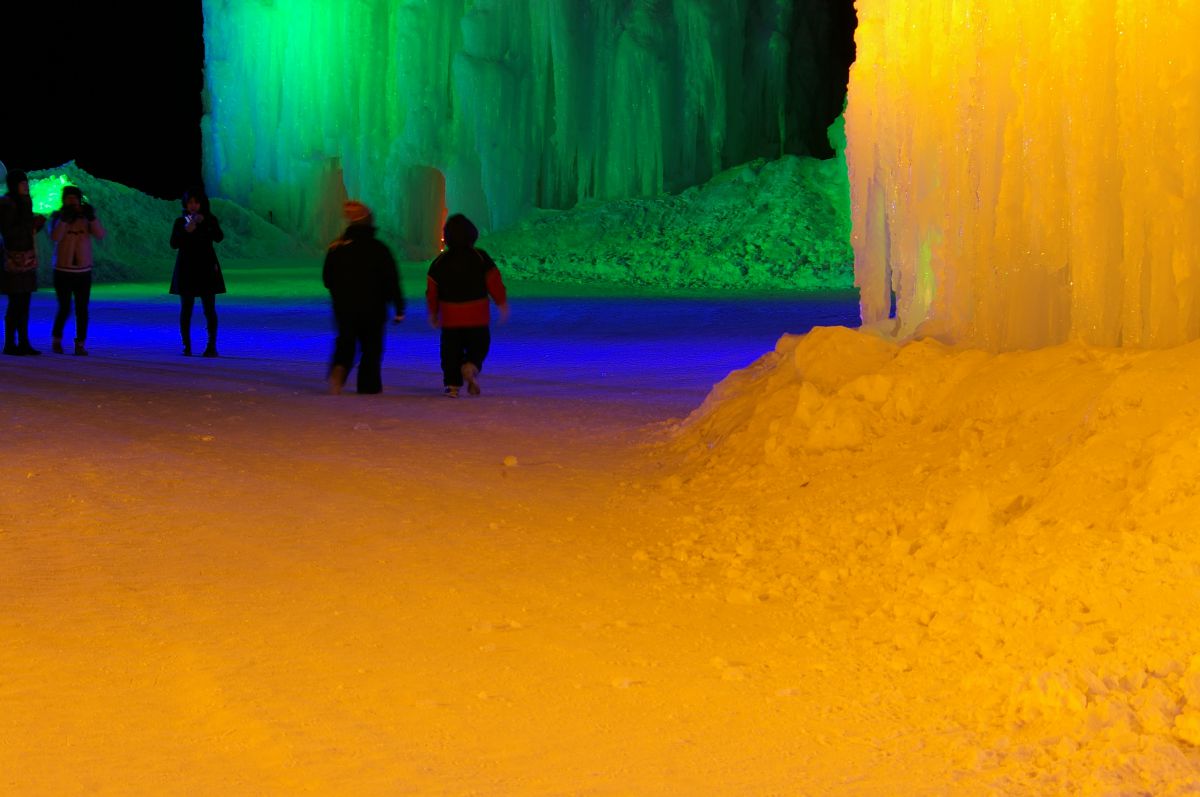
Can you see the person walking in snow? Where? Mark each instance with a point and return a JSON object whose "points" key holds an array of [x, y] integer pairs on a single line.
{"points": [[361, 276], [72, 228], [197, 271], [18, 278], [457, 289]]}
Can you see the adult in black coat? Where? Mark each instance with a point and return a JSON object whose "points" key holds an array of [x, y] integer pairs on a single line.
{"points": [[18, 273], [362, 279], [197, 270]]}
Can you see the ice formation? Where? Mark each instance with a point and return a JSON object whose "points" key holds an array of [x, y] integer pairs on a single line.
{"points": [[495, 107], [1026, 173]]}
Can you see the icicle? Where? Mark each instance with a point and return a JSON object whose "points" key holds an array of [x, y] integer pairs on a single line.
{"points": [[508, 105], [1026, 172]]}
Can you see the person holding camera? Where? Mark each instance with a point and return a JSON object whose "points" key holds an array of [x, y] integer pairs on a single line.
{"points": [[197, 271], [72, 228]]}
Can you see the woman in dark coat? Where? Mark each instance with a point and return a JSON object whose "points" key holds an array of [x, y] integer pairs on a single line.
{"points": [[197, 272], [18, 273]]}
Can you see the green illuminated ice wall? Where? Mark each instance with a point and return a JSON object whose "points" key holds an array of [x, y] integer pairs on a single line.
{"points": [[489, 107]]}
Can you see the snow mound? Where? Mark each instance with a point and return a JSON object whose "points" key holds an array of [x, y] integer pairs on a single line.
{"points": [[1012, 532], [137, 247], [766, 224]]}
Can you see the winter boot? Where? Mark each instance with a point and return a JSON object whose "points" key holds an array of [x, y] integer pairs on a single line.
{"points": [[470, 372], [56, 346], [23, 347], [80, 351], [337, 379]]}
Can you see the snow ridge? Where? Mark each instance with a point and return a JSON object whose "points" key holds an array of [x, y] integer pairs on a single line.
{"points": [[1013, 532]]}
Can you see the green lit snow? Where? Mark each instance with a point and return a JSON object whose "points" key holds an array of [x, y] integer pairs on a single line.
{"points": [[780, 225], [46, 192]]}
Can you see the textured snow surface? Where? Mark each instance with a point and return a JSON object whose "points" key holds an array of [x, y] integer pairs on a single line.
{"points": [[778, 224], [858, 568], [1000, 550]]}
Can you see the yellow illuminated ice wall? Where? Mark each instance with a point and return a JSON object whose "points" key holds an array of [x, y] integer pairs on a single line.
{"points": [[1026, 172]]}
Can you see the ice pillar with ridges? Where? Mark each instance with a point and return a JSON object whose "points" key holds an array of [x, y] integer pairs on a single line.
{"points": [[1028, 172], [490, 107]]}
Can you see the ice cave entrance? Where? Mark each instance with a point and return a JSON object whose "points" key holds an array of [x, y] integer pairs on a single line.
{"points": [[424, 212]]}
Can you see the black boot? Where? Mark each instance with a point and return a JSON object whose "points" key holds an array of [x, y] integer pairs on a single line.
{"points": [[24, 348]]}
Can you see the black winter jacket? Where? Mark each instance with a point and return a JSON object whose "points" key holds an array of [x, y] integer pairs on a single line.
{"points": [[197, 271], [18, 222], [361, 274]]}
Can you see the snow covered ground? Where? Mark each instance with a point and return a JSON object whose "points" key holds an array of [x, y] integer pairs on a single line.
{"points": [[856, 569]]}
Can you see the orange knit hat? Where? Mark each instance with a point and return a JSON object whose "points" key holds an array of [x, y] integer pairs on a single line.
{"points": [[356, 212]]}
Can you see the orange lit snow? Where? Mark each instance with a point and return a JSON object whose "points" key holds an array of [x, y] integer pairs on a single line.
{"points": [[858, 569]]}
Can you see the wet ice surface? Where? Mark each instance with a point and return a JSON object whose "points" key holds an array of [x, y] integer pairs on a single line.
{"points": [[655, 354]]}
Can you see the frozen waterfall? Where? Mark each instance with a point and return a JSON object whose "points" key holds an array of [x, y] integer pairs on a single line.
{"points": [[1027, 172], [495, 107]]}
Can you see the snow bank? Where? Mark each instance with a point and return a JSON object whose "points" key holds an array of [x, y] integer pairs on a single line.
{"points": [[776, 224], [768, 224], [1013, 534], [137, 247]]}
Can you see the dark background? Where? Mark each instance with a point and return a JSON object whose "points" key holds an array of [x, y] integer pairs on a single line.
{"points": [[118, 87], [115, 87]]}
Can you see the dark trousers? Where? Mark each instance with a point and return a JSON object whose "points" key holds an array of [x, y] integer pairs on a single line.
{"points": [[16, 320], [68, 286], [362, 332], [186, 305], [463, 345]]}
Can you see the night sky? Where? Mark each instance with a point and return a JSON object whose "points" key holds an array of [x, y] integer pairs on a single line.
{"points": [[84, 81]]}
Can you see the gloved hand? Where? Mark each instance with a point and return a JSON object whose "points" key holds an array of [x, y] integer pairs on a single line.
{"points": [[89, 212]]}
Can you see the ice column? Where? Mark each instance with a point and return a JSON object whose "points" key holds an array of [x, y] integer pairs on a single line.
{"points": [[492, 107], [1028, 171]]}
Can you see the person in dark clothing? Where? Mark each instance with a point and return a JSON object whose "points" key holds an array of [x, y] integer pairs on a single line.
{"points": [[362, 279], [197, 271], [457, 289], [18, 279], [72, 228]]}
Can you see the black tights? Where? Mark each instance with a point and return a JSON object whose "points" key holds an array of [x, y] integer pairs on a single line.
{"points": [[186, 305], [68, 286], [16, 320]]}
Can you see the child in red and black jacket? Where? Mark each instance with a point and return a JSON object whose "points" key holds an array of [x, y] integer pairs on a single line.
{"points": [[460, 281]]}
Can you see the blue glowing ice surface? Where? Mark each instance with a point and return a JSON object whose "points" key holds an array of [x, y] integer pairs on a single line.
{"points": [[661, 352]]}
